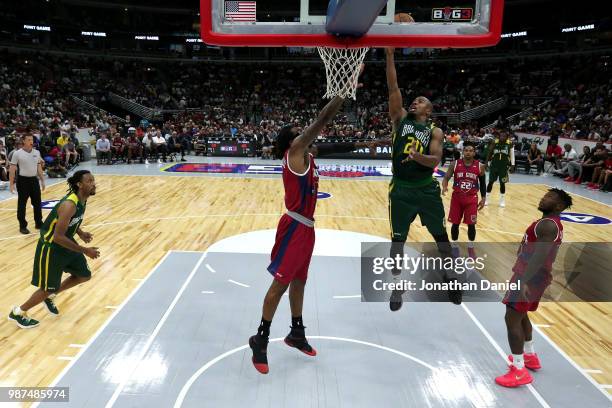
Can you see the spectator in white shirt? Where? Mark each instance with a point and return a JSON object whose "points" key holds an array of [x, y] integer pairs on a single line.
{"points": [[103, 148], [569, 155], [149, 149], [160, 146]]}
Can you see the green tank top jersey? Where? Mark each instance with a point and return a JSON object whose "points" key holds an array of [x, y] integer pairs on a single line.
{"points": [[407, 133], [501, 153], [48, 228]]}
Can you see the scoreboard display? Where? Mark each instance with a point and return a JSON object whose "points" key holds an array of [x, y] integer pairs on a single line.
{"points": [[230, 147]]}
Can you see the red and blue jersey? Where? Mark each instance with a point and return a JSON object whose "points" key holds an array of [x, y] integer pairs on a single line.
{"points": [[301, 189], [528, 247], [465, 178]]}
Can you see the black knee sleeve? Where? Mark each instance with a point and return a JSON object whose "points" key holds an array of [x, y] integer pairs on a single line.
{"points": [[455, 232], [443, 243], [472, 232]]}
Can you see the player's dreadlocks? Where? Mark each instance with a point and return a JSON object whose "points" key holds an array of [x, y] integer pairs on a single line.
{"points": [[563, 196], [283, 141], [75, 179]]}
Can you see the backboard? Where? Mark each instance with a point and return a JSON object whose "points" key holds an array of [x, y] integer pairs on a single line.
{"points": [[302, 23]]}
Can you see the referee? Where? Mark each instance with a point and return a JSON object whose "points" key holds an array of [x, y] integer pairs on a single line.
{"points": [[28, 161]]}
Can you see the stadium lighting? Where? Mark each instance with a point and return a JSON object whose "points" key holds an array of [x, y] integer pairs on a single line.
{"points": [[36, 28], [93, 34], [517, 34], [147, 37], [578, 28]]}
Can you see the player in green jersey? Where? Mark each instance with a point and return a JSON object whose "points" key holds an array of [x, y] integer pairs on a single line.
{"points": [[57, 251], [416, 151], [501, 158]]}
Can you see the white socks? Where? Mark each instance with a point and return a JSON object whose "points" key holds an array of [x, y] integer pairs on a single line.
{"points": [[528, 348], [17, 311], [518, 361]]}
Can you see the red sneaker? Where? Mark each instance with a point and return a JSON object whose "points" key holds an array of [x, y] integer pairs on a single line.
{"points": [[569, 179], [578, 181], [532, 361], [514, 377]]}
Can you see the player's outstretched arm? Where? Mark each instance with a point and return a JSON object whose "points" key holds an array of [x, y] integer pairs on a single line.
{"points": [[396, 108], [303, 141]]}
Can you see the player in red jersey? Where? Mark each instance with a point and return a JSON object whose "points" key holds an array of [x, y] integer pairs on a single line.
{"points": [[295, 236], [532, 271], [468, 177]]}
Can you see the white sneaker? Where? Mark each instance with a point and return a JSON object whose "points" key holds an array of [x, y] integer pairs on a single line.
{"points": [[486, 201], [502, 202], [146, 161], [159, 161]]}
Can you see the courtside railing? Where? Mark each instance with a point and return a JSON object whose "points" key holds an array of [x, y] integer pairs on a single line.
{"points": [[86, 105], [474, 113], [510, 119], [134, 107]]}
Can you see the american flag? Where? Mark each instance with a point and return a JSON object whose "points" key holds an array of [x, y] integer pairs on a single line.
{"points": [[240, 10]]}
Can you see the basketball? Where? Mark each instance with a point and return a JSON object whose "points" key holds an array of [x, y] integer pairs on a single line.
{"points": [[403, 18]]}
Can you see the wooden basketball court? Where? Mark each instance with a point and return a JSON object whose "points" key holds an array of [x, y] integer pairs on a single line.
{"points": [[135, 220]]}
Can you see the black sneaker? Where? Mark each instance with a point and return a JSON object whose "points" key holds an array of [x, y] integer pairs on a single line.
{"points": [[51, 308], [23, 320], [297, 339], [24, 231], [395, 301], [454, 295], [259, 346]]}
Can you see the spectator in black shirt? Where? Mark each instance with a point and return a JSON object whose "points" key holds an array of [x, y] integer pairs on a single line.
{"points": [[534, 157], [175, 145]]}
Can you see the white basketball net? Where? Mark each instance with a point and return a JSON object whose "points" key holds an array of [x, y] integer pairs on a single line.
{"points": [[342, 66]]}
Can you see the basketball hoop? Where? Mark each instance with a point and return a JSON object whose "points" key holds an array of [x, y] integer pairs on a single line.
{"points": [[342, 66]]}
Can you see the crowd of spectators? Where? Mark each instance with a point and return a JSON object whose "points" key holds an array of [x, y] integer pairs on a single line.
{"points": [[253, 100]]}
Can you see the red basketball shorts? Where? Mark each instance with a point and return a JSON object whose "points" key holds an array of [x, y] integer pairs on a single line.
{"points": [[292, 251], [517, 300], [463, 206]]}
